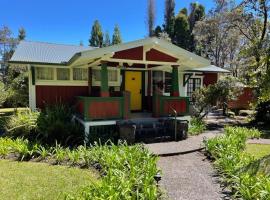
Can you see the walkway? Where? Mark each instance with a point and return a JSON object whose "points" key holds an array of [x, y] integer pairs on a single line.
{"points": [[259, 141], [187, 176]]}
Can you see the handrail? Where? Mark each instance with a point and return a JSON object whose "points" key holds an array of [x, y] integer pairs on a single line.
{"points": [[175, 122]]}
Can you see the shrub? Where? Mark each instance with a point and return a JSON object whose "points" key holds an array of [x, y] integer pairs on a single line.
{"points": [[263, 112], [197, 126], [231, 161], [22, 124], [54, 125]]}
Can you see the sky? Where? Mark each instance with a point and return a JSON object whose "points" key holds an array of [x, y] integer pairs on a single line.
{"points": [[70, 21]]}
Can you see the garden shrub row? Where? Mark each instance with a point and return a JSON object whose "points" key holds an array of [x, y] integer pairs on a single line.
{"points": [[52, 124], [127, 172], [232, 162]]}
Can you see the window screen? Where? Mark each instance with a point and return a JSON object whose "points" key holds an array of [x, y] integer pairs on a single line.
{"points": [[44, 73], [80, 74], [63, 74]]}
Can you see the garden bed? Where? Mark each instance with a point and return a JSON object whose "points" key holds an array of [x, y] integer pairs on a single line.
{"points": [[126, 172]]}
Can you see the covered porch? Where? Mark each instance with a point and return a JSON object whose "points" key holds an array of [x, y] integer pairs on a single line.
{"points": [[146, 77]]}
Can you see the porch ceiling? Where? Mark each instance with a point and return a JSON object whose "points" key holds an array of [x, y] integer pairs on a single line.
{"points": [[185, 59]]}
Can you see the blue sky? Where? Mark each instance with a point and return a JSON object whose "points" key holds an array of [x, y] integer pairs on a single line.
{"points": [[69, 21]]}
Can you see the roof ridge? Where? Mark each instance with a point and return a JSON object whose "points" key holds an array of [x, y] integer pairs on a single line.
{"points": [[74, 45]]}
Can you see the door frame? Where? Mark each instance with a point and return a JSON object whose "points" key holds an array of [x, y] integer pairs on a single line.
{"points": [[123, 86]]}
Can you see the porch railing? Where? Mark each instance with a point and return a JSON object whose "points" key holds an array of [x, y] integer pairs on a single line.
{"points": [[162, 105], [103, 108]]}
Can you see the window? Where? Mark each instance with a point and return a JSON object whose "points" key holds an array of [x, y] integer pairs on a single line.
{"points": [[192, 85], [80, 74], [44, 73], [96, 74], [168, 82], [112, 75], [63, 74]]}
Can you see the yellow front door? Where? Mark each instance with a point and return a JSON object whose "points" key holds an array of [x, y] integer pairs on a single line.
{"points": [[133, 84]]}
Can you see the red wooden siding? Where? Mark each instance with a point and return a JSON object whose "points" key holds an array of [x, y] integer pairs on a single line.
{"points": [[132, 54], [99, 110], [243, 100], [155, 55], [210, 78], [179, 105], [46, 95]]}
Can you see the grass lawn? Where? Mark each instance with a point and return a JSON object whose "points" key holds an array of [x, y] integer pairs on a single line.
{"points": [[29, 180], [258, 150]]}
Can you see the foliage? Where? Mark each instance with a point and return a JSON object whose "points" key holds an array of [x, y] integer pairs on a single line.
{"points": [[3, 92], [224, 90], [22, 34], [127, 172], [231, 160], [17, 87], [54, 124], [31, 180], [96, 38], [197, 13], [169, 17], [181, 30], [197, 126], [151, 15], [107, 41], [263, 112], [22, 124], [116, 38]]}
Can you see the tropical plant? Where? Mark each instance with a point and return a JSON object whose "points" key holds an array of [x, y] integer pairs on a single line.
{"points": [[197, 126], [22, 124], [54, 124], [231, 160]]}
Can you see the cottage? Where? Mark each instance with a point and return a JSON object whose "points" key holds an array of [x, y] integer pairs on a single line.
{"points": [[107, 84]]}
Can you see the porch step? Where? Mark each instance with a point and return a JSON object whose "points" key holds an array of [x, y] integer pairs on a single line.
{"points": [[152, 129]]}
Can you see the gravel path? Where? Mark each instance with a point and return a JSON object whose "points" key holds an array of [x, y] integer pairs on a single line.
{"points": [[191, 143], [189, 177], [258, 141]]}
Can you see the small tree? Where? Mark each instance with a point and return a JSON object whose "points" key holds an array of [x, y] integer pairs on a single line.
{"points": [[116, 39], [22, 34], [223, 91], [96, 38]]}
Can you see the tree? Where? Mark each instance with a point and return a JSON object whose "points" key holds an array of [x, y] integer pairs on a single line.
{"points": [[3, 92], [181, 30], [157, 31], [197, 13], [22, 34], [151, 15], [107, 41], [217, 40], [116, 38], [96, 38], [169, 18]]}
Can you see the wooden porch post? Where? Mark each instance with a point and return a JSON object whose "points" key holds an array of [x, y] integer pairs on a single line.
{"points": [[89, 81], [104, 81], [175, 81]]}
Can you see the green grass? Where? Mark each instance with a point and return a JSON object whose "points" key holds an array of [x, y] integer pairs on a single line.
{"points": [[29, 180], [258, 150]]}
